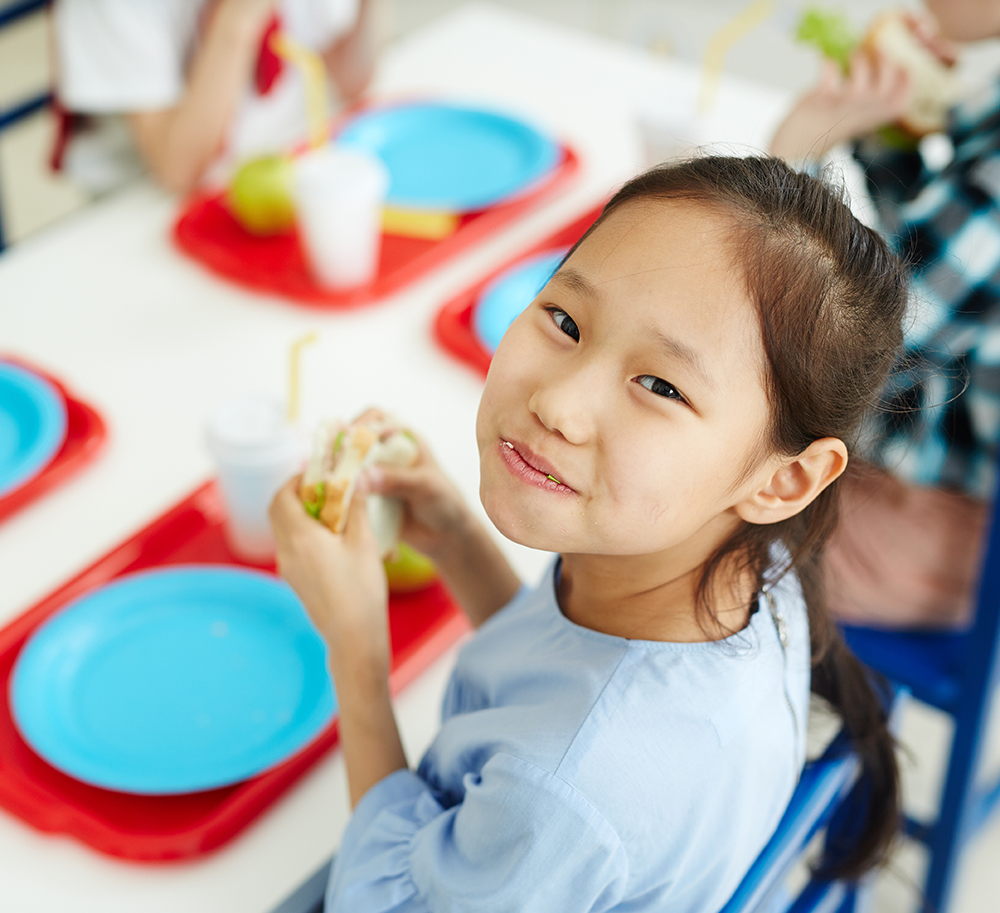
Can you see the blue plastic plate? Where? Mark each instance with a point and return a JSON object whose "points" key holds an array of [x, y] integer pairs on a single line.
{"points": [[173, 681], [446, 157], [510, 293], [32, 425]]}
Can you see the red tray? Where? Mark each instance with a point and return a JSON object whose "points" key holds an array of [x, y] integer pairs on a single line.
{"points": [[157, 828], [453, 324], [207, 231], [85, 434]]}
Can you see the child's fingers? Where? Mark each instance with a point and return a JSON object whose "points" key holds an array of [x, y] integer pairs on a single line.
{"points": [[369, 416], [860, 75], [831, 77], [892, 84], [357, 530], [292, 485], [886, 73], [377, 416], [925, 28], [286, 500], [405, 482]]}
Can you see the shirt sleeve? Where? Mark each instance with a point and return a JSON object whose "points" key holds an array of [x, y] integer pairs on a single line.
{"points": [[116, 56], [521, 840]]}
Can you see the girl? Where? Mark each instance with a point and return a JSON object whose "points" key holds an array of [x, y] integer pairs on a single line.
{"points": [[669, 415]]}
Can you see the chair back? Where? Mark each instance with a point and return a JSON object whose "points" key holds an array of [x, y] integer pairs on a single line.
{"points": [[9, 116], [825, 797], [956, 672]]}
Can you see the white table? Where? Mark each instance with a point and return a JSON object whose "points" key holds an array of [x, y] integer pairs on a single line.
{"points": [[105, 303]]}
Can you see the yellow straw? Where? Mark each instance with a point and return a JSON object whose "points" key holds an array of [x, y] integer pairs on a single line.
{"points": [[719, 45], [295, 374], [314, 74]]}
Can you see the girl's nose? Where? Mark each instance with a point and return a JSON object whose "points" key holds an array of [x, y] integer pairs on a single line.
{"points": [[567, 404]]}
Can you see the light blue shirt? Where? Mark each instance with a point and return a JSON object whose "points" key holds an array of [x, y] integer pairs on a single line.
{"points": [[577, 771]]}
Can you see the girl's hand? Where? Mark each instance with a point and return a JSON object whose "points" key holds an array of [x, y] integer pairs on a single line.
{"points": [[437, 522], [434, 513], [342, 583], [339, 578], [873, 93]]}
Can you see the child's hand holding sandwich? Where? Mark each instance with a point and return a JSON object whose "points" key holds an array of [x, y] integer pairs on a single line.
{"points": [[896, 78]]}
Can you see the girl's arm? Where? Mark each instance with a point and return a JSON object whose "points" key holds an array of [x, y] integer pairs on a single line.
{"points": [[521, 838], [476, 571], [341, 582], [438, 522], [350, 60], [178, 143]]}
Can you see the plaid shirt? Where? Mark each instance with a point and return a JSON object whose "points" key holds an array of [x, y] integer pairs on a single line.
{"points": [[940, 421]]}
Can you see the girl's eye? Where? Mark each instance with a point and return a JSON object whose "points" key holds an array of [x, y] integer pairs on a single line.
{"points": [[659, 387], [565, 323]]}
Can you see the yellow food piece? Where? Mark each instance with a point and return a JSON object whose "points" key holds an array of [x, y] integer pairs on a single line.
{"points": [[416, 223]]}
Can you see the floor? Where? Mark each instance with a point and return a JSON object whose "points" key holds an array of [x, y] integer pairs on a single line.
{"points": [[33, 198]]}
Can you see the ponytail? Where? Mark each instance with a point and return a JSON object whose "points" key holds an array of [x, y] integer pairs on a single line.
{"points": [[831, 298], [860, 698]]}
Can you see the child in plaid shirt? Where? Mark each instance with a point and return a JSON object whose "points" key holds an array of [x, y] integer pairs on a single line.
{"points": [[909, 545]]}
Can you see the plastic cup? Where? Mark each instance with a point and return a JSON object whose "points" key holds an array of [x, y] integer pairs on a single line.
{"points": [[256, 451], [669, 127], [339, 194]]}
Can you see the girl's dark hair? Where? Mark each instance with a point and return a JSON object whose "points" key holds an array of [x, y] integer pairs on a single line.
{"points": [[831, 299]]}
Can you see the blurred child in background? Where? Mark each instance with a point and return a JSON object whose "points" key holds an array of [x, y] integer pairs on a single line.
{"points": [[186, 87], [909, 547]]}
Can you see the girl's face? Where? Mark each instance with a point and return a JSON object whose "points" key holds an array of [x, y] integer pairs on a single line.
{"points": [[623, 404]]}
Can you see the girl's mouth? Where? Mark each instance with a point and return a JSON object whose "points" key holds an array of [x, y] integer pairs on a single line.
{"points": [[527, 472]]}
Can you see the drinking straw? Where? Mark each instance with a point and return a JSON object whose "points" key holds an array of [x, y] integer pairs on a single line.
{"points": [[295, 374], [428, 225], [719, 45], [313, 72]]}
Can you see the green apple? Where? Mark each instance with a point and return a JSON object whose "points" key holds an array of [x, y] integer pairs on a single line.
{"points": [[409, 570], [260, 195]]}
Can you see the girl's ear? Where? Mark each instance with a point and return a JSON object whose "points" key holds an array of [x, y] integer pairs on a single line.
{"points": [[796, 483]]}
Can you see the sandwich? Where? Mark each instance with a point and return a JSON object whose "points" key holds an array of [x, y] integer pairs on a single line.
{"points": [[340, 453], [934, 85]]}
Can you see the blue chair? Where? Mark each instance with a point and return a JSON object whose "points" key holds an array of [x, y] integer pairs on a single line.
{"points": [[956, 673], [824, 798], [10, 13], [308, 897], [827, 796]]}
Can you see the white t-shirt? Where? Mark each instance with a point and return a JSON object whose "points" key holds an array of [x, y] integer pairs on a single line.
{"points": [[119, 56]]}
